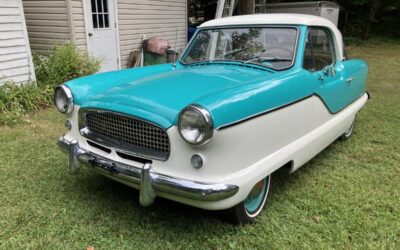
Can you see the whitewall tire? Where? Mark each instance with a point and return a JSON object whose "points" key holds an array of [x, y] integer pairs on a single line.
{"points": [[349, 131], [246, 211]]}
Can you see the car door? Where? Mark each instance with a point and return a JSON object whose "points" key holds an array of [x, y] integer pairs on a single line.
{"points": [[355, 77], [328, 75]]}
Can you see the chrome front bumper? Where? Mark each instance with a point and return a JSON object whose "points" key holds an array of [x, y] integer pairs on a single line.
{"points": [[148, 182]]}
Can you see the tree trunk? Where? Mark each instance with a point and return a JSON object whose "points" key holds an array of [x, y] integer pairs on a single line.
{"points": [[244, 7], [371, 17]]}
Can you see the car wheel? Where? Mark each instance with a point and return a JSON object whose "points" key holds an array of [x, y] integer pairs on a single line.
{"points": [[349, 132], [246, 211]]}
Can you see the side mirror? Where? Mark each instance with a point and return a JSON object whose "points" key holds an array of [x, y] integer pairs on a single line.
{"points": [[326, 71], [329, 70]]}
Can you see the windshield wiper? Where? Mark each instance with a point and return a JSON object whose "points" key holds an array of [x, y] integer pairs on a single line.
{"points": [[231, 52], [270, 59]]}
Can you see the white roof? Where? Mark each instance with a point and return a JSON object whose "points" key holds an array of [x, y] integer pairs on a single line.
{"points": [[285, 19], [296, 19]]}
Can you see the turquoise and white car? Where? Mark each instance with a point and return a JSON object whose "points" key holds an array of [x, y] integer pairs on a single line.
{"points": [[249, 95]]}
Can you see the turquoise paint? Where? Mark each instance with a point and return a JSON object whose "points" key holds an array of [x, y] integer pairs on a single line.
{"points": [[256, 97], [230, 91], [160, 96], [334, 90]]}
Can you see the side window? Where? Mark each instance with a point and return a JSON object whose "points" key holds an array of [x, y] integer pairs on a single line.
{"points": [[320, 50]]}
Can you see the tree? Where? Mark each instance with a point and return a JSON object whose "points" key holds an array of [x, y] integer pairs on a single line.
{"points": [[371, 18]]}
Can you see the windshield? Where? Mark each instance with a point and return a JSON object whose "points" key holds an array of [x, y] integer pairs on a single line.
{"points": [[271, 47]]}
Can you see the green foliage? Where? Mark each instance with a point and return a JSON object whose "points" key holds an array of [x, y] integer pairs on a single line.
{"points": [[64, 63], [386, 21], [17, 101]]}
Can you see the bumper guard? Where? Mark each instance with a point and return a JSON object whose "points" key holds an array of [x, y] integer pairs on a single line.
{"points": [[145, 178]]}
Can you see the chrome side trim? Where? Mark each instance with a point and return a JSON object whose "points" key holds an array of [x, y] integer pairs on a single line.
{"points": [[228, 125], [261, 113], [145, 178]]}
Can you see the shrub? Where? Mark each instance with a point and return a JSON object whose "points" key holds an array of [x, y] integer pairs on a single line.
{"points": [[17, 101], [64, 63]]}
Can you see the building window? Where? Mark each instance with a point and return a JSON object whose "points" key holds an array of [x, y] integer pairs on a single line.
{"points": [[100, 15]]}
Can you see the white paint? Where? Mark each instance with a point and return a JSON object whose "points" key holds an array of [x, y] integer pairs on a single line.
{"points": [[248, 152], [117, 34], [280, 19], [7, 50], [102, 42], [86, 22], [15, 54]]}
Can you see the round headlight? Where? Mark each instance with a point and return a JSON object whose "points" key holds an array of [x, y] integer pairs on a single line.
{"points": [[195, 125], [63, 99]]}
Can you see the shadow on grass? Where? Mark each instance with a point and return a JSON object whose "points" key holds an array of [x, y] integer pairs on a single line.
{"points": [[115, 195]]}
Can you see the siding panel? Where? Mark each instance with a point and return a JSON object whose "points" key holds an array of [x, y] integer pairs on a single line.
{"points": [[9, 4], [47, 23], [12, 50], [9, 11], [15, 56], [11, 57], [153, 18], [12, 42], [4, 35], [79, 24]]}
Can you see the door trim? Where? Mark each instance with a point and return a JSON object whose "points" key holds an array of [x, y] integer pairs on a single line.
{"points": [[117, 32], [86, 23], [289, 104]]}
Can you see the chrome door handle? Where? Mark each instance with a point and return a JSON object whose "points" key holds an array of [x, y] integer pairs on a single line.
{"points": [[350, 79]]}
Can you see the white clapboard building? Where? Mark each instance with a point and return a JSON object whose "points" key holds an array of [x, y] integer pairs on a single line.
{"points": [[15, 54], [109, 29]]}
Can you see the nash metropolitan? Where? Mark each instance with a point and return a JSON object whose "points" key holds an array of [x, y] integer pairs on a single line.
{"points": [[249, 95]]}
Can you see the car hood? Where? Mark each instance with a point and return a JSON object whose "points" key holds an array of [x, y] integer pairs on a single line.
{"points": [[159, 93]]}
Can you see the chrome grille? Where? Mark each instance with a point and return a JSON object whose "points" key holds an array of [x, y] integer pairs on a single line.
{"points": [[129, 134]]}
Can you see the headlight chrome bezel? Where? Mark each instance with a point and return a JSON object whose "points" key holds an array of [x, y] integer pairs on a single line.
{"points": [[206, 116], [69, 101]]}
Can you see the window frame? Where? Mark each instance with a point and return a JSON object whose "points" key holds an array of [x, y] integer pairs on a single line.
{"points": [[332, 45], [295, 51], [104, 14]]}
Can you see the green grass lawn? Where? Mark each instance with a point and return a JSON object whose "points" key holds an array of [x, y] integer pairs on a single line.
{"points": [[346, 197]]}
